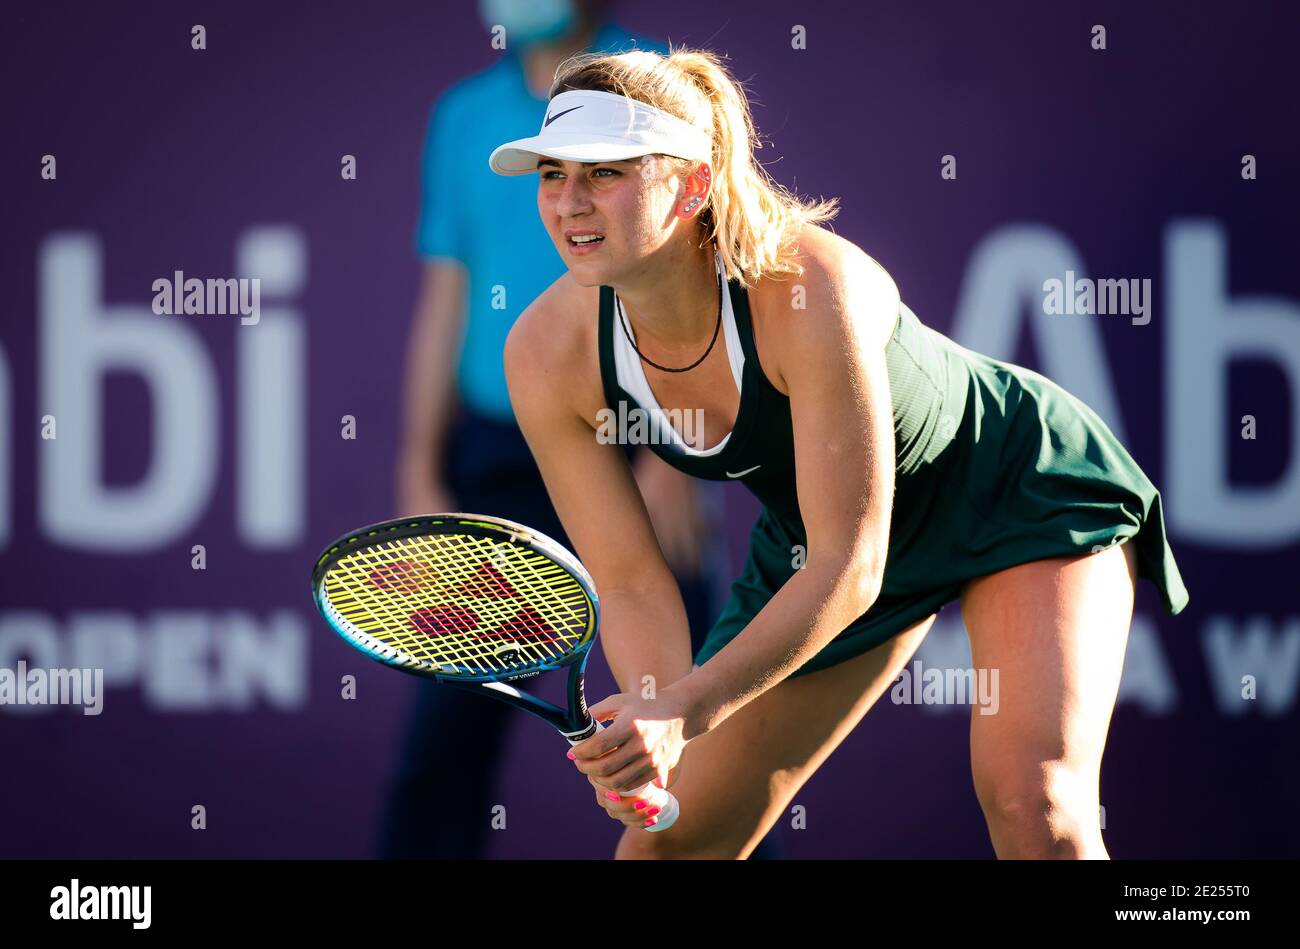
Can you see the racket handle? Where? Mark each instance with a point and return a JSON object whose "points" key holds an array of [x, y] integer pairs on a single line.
{"points": [[658, 797]]}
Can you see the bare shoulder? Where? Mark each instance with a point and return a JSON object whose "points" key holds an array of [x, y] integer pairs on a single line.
{"points": [[548, 330], [551, 350], [840, 284]]}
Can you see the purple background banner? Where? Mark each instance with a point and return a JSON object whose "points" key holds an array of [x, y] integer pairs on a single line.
{"points": [[222, 685]]}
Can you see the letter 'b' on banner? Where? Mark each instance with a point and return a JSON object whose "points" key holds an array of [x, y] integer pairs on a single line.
{"points": [[81, 341]]}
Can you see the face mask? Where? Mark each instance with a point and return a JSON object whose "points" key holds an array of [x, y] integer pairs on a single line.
{"points": [[528, 22]]}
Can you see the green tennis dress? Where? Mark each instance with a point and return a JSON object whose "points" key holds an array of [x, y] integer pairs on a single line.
{"points": [[995, 465]]}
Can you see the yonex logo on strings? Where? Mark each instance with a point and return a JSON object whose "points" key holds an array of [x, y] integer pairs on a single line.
{"points": [[462, 629]]}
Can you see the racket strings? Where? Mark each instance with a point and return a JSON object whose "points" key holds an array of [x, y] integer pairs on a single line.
{"points": [[461, 602], [442, 628]]}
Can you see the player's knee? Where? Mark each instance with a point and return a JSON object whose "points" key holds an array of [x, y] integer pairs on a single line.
{"points": [[676, 843], [640, 845], [1040, 812]]}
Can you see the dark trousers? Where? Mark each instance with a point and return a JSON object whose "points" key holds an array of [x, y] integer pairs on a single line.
{"points": [[490, 471]]}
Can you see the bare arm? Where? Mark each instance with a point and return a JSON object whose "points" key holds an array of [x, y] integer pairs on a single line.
{"points": [[643, 622], [844, 455], [430, 389]]}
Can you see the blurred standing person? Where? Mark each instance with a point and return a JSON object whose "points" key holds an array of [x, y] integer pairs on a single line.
{"points": [[462, 449]]}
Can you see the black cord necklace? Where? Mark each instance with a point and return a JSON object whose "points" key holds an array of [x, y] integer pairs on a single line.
{"points": [[626, 332]]}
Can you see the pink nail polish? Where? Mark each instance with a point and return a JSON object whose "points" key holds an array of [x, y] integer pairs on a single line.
{"points": [[650, 823], [612, 796], [639, 805], [572, 756], [652, 812]]}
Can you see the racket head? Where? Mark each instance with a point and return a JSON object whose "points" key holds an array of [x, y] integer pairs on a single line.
{"points": [[459, 598]]}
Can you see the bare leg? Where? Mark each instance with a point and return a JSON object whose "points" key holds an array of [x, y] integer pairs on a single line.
{"points": [[1056, 631], [737, 780]]}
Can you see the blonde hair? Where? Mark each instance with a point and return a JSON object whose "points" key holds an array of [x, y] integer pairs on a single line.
{"points": [[753, 220]]}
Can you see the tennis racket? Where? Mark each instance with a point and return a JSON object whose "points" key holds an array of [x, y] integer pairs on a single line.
{"points": [[475, 602]]}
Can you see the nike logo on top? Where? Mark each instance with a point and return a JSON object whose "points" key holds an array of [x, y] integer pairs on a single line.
{"points": [[552, 118], [741, 474]]}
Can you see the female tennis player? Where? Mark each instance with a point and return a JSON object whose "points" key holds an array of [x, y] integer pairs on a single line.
{"points": [[897, 471]]}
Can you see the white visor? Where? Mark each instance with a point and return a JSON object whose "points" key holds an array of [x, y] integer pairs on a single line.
{"points": [[591, 126]]}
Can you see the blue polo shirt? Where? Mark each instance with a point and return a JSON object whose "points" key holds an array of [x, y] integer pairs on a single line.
{"points": [[489, 222]]}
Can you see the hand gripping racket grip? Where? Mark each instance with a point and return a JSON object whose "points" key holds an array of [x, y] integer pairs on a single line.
{"points": [[656, 796]]}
